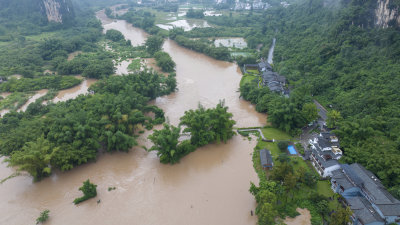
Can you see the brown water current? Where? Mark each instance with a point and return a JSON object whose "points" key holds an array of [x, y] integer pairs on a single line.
{"points": [[136, 35], [32, 99], [208, 187], [74, 92]]}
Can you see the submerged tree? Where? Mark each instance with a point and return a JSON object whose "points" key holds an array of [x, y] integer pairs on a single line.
{"points": [[44, 216], [34, 158], [89, 191], [208, 125], [166, 143]]}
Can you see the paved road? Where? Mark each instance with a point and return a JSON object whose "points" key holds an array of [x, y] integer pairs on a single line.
{"points": [[323, 113]]}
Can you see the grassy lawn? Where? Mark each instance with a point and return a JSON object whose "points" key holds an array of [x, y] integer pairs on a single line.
{"points": [[247, 79], [324, 188], [273, 133]]}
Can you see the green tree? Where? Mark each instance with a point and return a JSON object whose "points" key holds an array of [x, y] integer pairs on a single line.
{"points": [[34, 158], [166, 143], [164, 61], [283, 145], [341, 216], [89, 191], [334, 117], [153, 44], [310, 112], [44, 216], [114, 35], [323, 208], [208, 125]]}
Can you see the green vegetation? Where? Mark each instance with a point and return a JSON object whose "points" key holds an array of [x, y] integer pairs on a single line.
{"points": [[167, 145], [154, 44], [135, 65], [43, 82], [44, 216], [221, 53], [291, 184], [338, 56], [71, 133], [164, 61], [89, 191], [14, 101], [114, 35], [96, 64], [142, 19], [204, 125], [287, 114], [283, 145], [111, 188]]}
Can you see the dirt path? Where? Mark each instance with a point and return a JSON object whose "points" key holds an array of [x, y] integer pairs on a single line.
{"points": [[303, 219]]}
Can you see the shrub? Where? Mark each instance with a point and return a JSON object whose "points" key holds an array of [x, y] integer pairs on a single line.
{"points": [[89, 191], [44, 216], [282, 145]]}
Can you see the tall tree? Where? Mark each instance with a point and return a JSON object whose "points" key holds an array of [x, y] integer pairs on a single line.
{"points": [[34, 158], [341, 216], [334, 117], [166, 143]]}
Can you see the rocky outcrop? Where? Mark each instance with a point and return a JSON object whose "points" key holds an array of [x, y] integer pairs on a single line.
{"points": [[37, 11], [58, 11], [387, 14]]}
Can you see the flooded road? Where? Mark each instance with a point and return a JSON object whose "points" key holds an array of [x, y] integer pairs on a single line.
{"points": [[208, 187], [271, 52]]}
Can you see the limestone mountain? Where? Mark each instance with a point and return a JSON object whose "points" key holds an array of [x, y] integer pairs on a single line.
{"points": [[37, 11]]}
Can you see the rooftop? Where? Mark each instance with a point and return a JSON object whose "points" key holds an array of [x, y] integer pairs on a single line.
{"points": [[355, 175], [363, 210], [266, 158]]}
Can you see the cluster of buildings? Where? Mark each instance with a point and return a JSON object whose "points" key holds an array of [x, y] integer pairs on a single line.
{"points": [[255, 5], [275, 82], [361, 190]]}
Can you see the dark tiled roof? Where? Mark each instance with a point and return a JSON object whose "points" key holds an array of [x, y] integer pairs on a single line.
{"points": [[324, 162], [363, 210], [389, 205], [356, 175], [341, 179], [266, 158], [352, 175]]}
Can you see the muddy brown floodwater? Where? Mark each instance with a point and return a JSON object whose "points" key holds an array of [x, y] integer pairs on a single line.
{"points": [[209, 186], [32, 99], [74, 92]]}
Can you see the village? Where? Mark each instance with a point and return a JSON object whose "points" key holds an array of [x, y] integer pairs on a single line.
{"points": [[358, 188]]}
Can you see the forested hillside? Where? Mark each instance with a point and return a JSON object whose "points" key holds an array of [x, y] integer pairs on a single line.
{"points": [[345, 60]]}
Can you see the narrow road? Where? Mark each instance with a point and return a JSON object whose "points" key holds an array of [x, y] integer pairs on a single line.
{"points": [[323, 113]]}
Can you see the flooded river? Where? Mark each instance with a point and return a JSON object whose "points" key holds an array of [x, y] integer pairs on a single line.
{"points": [[209, 186]]}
